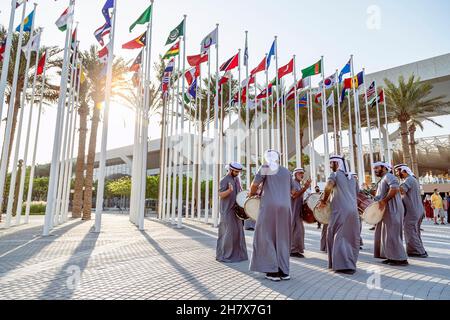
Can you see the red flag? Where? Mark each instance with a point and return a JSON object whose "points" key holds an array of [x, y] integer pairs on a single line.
{"points": [[381, 97], [41, 64], [348, 83], [261, 67], [317, 97], [244, 95], [2, 48], [136, 43], [230, 64], [197, 59], [291, 94], [289, 68], [103, 54]]}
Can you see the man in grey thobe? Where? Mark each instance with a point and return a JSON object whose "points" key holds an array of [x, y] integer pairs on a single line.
{"points": [[272, 238], [410, 191], [231, 245], [388, 241], [298, 229], [343, 227]]}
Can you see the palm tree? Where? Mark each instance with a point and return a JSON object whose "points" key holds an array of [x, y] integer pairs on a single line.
{"points": [[95, 82], [409, 100], [51, 92]]}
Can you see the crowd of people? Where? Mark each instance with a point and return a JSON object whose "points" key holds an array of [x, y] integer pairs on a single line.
{"points": [[279, 231], [437, 208]]}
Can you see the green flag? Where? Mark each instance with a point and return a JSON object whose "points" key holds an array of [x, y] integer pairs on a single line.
{"points": [[312, 70], [144, 18], [176, 33]]}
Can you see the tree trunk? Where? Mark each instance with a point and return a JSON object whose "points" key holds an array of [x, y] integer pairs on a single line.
{"points": [[89, 180], [412, 144], [405, 144], [80, 165]]}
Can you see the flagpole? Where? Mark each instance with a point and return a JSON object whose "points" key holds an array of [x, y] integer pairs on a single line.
{"points": [[359, 153], [216, 147], [7, 55], [167, 164], [180, 168], [199, 148], [255, 125], [339, 139], [176, 145], [230, 140], [247, 122], [56, 142], [162, 161], [6, 140], [388, 157], [277, 97], [335, 134], [268, 128], [171, 172], [238, 137], [350, 135], [368, 128], [298, 162], [194, 153], [36, 139], [382, 157], [325, 122], [208, 134], [312, 152]]}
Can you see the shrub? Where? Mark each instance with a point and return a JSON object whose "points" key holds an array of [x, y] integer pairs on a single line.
{"points": [[36, 207]]}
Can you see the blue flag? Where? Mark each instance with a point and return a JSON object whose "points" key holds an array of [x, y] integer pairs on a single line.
{"points": [[105, 10], [346, 69], [193, 89], [27, 22], [303, 101], [270, 55]]}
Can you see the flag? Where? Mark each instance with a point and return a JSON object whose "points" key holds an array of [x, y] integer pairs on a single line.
{"points": [[136, 79], [330, 100], [346, 69], [303, 101], [192, 74], [176, 33], [170, 66], [312, 70], [101, 32], [249, 81], [380, 98], [303, 83], [266, 92], [143, 18], [329, 82], [136, 43], [286, 69], [224, 79], [27, 22], [271, 54], [354, 82], [103, 54], [41, 64], [261, 67], [246, 52], [136, 63], [208, 41], [2, 48], [34, 43], [291, 94], [197, 59], [63, 20], [343, 94], [19, 3], [371, 90], [191, 94], [73, 40], [173, 51], [105, 10], [318, 97], [230, 64]]}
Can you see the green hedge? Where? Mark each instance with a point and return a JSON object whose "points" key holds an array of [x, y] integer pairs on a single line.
{"points": [[36, 207]]}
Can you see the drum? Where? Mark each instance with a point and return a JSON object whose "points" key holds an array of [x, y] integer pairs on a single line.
{"points": [[239, 207], [307, 214], [251, 207], [363, 202], [322, 214], [373, 214], [312, 200]]}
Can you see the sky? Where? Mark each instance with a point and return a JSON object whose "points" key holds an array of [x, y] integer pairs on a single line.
{"points": [[379, 33]]}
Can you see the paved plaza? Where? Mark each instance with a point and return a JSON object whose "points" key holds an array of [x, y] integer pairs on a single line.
{"points": [[163, 262]]}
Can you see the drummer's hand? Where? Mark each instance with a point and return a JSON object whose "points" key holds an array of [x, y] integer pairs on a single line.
{"points": [[308, 183], [322, 204], [382, 205], [230, 187]]}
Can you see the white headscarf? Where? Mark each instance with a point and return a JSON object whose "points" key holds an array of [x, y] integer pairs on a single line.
{"points": [[235, 166], [383, 164], [404, 167], [272, 158], [342, 165]]}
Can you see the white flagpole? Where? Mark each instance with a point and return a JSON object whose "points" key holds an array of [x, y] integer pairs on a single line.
{"points": [[194, 152], [380, 137], [170, 151], [199, 149], [325, 123], [104, 142], [247, 123], [51, 194], [312, 161], [339, 145], [7, 54], [6, 140], [298, 161], [255, 125], [216, 140], [36, 138], [230, 140], [278, 146], [238, 138], [388, 156], [335, 134], [208, 135], [180, 168], [350, 135], [372, 173], [174, 150], [359, 153], [167, 164], [268, 127], [27, 140], [162, 164]]}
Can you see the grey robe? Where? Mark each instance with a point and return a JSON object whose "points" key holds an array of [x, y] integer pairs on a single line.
{"points": [[323, 238], [231, 239], [298, 229], [343, 228], [413, 215], [272, 238], [388, 241]]}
